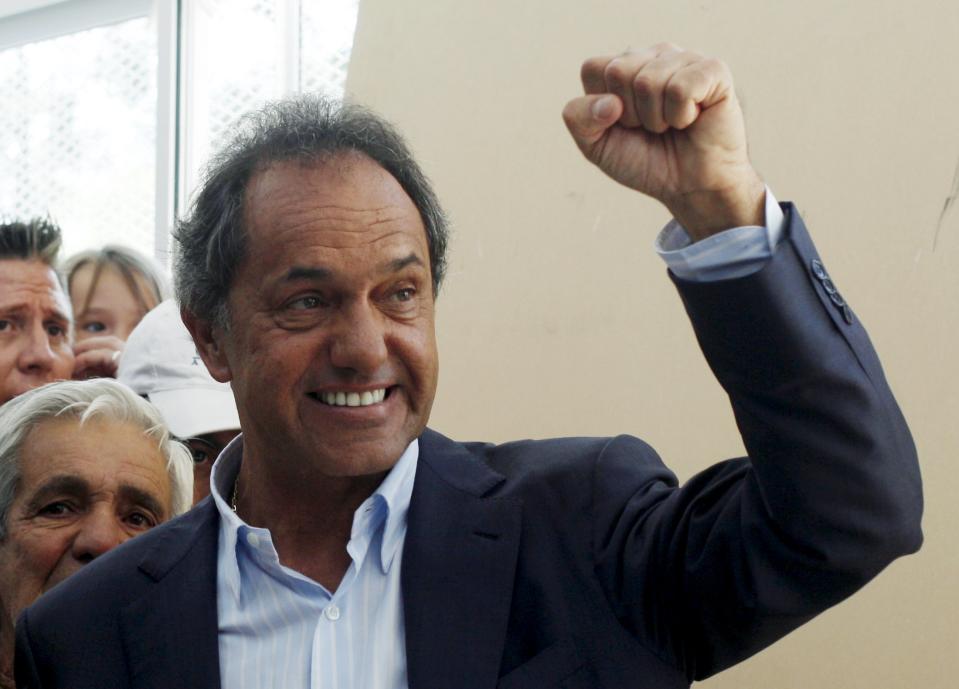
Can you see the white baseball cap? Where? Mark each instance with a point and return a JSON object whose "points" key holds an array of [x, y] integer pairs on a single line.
{"points": [[161, 362]]}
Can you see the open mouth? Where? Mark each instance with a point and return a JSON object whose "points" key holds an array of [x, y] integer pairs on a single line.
{"points": [[351, 399]]}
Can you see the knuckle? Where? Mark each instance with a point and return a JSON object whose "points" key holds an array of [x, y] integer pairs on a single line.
{"points": [[592, 67], [713, 65], [644, 85], [616, 72], [667, 47], [675, 92]]}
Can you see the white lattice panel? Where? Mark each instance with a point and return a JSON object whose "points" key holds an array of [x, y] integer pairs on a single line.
{"points": [[78, 134], [326, 40]]}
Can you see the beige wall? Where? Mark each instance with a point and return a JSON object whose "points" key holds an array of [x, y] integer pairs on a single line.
{"points": [[852, 113]]}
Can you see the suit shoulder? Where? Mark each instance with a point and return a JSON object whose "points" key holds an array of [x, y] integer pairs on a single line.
{"points": [[120, 575], [563, 455]]}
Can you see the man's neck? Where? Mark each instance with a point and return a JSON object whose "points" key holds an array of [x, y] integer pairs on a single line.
{"points": [[310, 518]]}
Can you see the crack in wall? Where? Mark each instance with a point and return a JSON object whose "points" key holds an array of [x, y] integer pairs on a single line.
{"points": [[946, 206]]}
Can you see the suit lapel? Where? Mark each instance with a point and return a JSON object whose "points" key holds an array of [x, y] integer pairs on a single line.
{"points": [[171, 632], [458, 566]]}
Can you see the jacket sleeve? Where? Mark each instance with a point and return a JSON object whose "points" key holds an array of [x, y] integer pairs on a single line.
{"points": [[712, 572]]}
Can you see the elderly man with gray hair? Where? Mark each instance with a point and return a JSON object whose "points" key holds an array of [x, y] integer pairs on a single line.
{"points": [[84, 466]]}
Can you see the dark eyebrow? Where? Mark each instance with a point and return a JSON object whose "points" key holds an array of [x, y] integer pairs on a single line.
{"points": [[305, 273], [58, 485], [320, 273], [398, 264], [140, 497]]}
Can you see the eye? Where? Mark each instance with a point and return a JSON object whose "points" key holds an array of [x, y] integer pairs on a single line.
{"points": [[141, 520], [200, 455], [59, 508], [306, 303], [4, 324], [202, 450], [56, 330], [405, 294], [93, 327]]}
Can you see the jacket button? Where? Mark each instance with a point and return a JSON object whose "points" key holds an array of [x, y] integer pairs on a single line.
{"points": [[837, 299], [828, 285], [818, 270], [847, 314]]}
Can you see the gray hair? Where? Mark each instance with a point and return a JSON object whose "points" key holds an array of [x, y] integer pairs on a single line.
{"points": [[36, 239], [129, 263], [211, 240], [102, 398]]}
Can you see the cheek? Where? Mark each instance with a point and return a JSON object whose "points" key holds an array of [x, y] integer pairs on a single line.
{"points": [[417, 348], [28, 562], [285, 357]]}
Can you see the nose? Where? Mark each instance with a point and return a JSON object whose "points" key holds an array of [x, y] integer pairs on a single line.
{"points": [[36, 356], [359, 340], [99, 532]]}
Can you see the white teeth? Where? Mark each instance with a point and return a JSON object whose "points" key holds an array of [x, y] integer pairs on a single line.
{"points": [[353, 399]]}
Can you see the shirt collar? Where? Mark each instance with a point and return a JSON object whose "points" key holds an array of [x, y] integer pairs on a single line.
{"points": [[396, 491], [392, 497], [222, 478]]}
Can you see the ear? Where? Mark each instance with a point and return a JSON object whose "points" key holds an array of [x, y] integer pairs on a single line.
{"points": [[209, 341]]}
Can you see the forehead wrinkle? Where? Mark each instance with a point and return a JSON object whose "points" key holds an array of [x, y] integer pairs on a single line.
{"points": [[338, 237], [344, 218]]}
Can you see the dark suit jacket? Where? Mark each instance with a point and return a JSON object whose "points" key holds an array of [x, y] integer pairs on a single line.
{"points": [[579, 562]]}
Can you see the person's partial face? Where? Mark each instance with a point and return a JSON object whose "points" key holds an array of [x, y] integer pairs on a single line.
{"points": [[112, 308], [205, 449], [83, 490], [331, 349], [34, 328]]}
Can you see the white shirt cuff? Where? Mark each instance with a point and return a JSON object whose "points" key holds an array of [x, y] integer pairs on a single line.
{"points": [[730, 254]]}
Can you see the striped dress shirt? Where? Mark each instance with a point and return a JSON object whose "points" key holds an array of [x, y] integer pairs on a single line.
{"points": [[281, 630]]}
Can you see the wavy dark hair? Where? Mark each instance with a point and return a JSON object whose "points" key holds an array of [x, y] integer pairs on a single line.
{"points": [[210, 242]]}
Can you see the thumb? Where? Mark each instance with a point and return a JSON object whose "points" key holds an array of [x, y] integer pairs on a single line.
{"points": [[588, 117]]}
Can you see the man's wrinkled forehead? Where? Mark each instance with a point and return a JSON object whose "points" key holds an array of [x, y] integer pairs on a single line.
{"points": [[293, 196], [23, 283]]}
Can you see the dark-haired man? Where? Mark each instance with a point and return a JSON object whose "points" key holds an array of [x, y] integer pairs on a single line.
{"points": [[347, 545], [35, 317]]}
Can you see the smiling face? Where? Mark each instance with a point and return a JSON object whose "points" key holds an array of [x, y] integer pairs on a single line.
{"points": [[106, 305], [34, 328], [331, 350], [83, 490]]}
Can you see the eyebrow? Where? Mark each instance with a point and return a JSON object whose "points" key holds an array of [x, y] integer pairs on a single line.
{"points": [[320, 273], [138, 496], [304, 273], [398, 264], [17, 309], [58, 485], [65, 484], [95, 311]]}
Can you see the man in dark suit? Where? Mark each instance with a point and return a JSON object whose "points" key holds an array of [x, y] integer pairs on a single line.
{"points": [[348, 545]]}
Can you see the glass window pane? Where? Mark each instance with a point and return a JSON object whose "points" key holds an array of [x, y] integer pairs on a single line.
{"points": [[78, 134]]}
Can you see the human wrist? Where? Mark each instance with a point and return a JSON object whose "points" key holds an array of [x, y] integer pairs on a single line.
{"points": [[705, 213]]}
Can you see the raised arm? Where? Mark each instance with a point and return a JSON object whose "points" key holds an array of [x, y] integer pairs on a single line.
{"points": [[711, 572]]}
